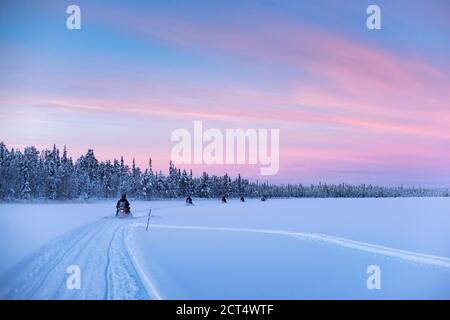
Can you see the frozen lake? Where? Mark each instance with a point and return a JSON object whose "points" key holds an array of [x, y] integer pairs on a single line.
{"points": [[279, 249]]}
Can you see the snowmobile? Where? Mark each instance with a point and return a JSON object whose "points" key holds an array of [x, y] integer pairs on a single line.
{"points": [[189, 201], [123, 212], [264, 198], [242, 199], [224, 200]]}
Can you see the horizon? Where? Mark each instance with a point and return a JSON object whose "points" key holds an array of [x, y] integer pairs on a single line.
{"points": [[352, 105]]}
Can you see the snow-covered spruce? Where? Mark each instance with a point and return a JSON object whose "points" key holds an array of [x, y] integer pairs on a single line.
{"points": [[51, 174]]}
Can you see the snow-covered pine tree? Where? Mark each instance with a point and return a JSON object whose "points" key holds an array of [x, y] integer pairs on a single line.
{"points": [[29, 173], [190, 185], [184, 184], [205, 189], [52, 165], [226, 186], [4, 171], [66, 175], [135, 180]]}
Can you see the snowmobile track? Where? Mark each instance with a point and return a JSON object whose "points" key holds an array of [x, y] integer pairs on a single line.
{"points": [[99, 249]]}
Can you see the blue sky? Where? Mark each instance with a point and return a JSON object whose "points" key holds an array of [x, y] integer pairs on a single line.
{"points": [[352, 104]]}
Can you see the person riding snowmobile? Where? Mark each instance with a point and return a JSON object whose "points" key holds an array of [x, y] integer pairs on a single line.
{"points": [[123, 203]]}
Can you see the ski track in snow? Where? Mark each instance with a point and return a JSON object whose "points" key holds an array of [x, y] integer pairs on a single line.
{"points": [[103, 254], [419, 258]]}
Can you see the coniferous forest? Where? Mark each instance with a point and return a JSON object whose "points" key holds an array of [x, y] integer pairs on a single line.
{"points": [[52, 174]]}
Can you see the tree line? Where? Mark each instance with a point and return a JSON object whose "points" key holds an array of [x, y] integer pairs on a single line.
{"points": [[52, 174]]}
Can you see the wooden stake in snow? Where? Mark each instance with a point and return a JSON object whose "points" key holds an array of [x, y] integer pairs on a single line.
{"points": [[148, 220]]}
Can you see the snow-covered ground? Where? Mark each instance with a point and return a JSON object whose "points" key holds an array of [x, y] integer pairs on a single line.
{"points": [[293, 248]]}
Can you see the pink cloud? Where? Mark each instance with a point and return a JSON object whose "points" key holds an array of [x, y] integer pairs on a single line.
{"points": [[358, 84], [392, 109]]}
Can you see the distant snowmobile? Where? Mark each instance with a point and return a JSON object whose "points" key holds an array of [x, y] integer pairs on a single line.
{"points": [[189, 201], [224, 200], [242, 199], [264, 198]]}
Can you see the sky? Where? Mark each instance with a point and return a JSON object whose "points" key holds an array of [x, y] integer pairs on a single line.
{"points": [[352, 105]]}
